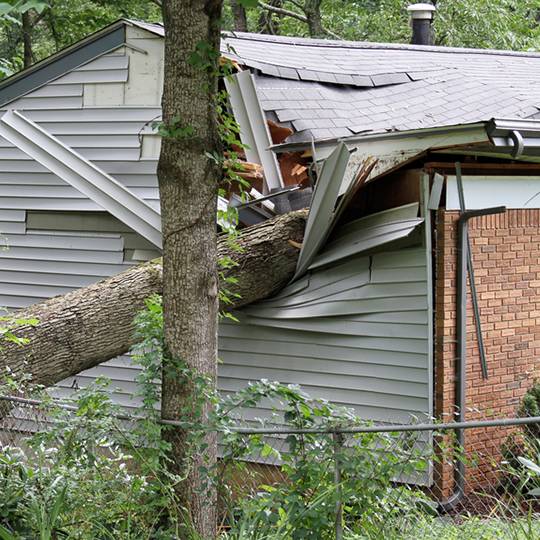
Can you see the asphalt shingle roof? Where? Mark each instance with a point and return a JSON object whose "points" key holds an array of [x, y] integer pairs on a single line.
{"points": [[327, 89]]}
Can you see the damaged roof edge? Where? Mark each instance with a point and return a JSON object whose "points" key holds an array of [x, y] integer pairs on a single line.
{"points": [[340, 167], [500, 132], [325, 146], [516, 135], [254, 131]]}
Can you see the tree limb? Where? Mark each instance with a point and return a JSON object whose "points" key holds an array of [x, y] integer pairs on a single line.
{"points": [[283, 11], [298, 16], [88, 326]]}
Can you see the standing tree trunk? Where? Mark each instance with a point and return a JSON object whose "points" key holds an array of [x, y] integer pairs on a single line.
{"points": [[239, 16], [312, 9], [188, 183], [28, 55]]}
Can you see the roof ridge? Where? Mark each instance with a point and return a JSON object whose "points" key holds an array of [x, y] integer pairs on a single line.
{"points": [[336, 44]]}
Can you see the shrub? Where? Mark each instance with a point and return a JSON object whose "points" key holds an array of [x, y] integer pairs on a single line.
{"points": [[530, 407], [76, 479], [303, 504]]}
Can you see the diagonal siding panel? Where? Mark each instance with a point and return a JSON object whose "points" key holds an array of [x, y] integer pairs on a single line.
{"points": [[81, 174]]}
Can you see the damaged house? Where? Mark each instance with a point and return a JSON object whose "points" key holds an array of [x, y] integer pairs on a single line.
{"points": [[403, 152]]}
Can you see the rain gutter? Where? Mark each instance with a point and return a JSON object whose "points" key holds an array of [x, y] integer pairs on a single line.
{"points": [[514, 135], [354, 140]]}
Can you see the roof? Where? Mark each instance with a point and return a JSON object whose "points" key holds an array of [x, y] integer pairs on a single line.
{"points": [[333, 89], [330, 89]]}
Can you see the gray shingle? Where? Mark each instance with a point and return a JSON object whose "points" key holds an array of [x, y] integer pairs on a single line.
{"points": [[286, 115], [344, 78], [390, 78], [327, 77], [362, 80], [269, 69], [301, 125], [288, 73], [308, 75], [313, 81]]}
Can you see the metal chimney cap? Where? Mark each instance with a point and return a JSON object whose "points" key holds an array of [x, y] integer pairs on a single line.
{"points": [[421, 11]]}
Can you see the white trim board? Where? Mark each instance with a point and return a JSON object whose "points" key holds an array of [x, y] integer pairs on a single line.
{"points": [[488, 191]]}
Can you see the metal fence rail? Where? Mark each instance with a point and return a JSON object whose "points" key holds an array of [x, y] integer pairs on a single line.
{"points": [[387, 481]]}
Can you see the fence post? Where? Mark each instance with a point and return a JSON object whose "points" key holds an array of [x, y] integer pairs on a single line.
{"points": [[338, 444]]}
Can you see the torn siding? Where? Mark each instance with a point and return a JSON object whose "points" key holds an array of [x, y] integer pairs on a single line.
{"points": [[323, 207], [353, 330], [356, 334], [375, 361]]}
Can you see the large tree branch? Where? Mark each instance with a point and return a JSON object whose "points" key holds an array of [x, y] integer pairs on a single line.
{"points": [[88, 326], [298, 16], [283, 11]]}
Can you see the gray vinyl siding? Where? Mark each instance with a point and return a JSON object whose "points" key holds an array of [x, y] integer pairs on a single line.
{"points": [[354, 333], [45, 254], [352, 330], [370, 354], [90, 110], [376, 363]]}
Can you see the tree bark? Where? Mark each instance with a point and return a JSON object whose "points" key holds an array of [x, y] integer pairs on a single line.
{"points": [[188, 185], [312, 9], [268, 22], [239, 16], [28, 55], [88, 326]]}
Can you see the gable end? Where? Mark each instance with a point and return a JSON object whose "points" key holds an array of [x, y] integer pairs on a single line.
{"points": [[61, 63]]}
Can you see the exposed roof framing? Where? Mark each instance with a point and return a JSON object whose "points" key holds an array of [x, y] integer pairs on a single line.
{"points": [[254, 131], [82, 175]]}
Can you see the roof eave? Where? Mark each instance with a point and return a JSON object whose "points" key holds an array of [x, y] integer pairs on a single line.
{"points": [[357, 140]]}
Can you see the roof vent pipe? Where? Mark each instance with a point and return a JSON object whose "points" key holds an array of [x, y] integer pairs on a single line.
{"points": [[421, 18]]}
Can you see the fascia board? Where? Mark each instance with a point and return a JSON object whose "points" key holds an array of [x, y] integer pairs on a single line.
{"points": [[391, 153]]}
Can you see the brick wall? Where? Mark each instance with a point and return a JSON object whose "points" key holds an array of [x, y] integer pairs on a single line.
{"points": [[506, 258]]}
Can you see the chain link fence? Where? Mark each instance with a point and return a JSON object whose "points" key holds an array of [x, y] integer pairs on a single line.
{"points": [[367, 481]]}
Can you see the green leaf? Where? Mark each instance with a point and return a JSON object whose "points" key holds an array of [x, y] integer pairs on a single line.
{"points": [[248, 3], [529, 464], [266, 450], [5, 534]]}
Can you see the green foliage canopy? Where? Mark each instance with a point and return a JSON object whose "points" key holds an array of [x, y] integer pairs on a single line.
{"points": [[55, 24], [499, 24]]}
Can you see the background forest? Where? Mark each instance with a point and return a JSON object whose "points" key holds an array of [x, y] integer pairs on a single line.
{"points": [[32, 30]]}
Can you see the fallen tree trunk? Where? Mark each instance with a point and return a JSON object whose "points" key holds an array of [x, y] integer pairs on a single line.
{"points": [[88, 326]]}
